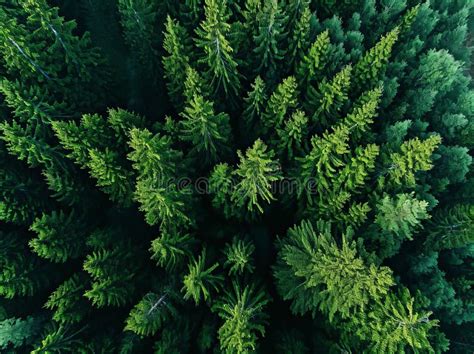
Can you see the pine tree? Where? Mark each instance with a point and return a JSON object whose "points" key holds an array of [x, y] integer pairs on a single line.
{"points": [[371, 66], [414, 156], [244, 319], [138, 19], [161, 201], [315, 273], [255, 172], [325, 102], [270, 38], [171, 249], [209, 133], [254, 106], [281, 102], [199, 281], [177, 45], [292, 137], [450, 228], [60, 236], [18, 333], [300, 41], [239, 256], [401, 215], [311, 65], [396, 325], [109, 287], [67, 300], [213, 40], [151, 313]]}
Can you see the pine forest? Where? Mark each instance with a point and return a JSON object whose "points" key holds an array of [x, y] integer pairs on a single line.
{"points": [[236, 176]]}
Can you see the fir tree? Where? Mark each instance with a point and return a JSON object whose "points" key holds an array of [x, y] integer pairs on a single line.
{"points": [[209, 133], [269, 40], [176, 44], [368, 70], [255, 172], [244, 319], [199, 281], [60, 236], [151, 313], [213, 39]]}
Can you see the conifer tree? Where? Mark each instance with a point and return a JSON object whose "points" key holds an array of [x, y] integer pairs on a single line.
{"points": [[151, 313], [138, 19], [369, 69], [239, 256], [213, 40], [241, 310], [325, 102], [176, 44], [67, 300], [60, 236], [282, 100], [255, 172], [269, 42], [199, 281], [334, 278], [414, 156], [310, 66], [208, 132]]}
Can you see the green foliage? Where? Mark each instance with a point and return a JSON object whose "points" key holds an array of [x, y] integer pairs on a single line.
{"points": [[161, 201], [282, 100], [401, 215], [241, 310], [209, 133], [270, 36], [414, 156], [60, 236], [176, 44], [255, 174], [327, 100], [67, 300], [311, 65], [239, 256], [396, 325], [170, 249], [199, 281], [213, 40], [451, 227], [315, 273], [137, 19], [352, 120], [16, 332], [369, 69], [108, 287], [150, 314]]}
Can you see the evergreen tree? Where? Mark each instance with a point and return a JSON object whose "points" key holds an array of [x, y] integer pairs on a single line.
{"points": [[241, 310], [213, 40], [369, 69], [255, 172], [269, 41], [67, 300], [60, 236], [149, 315], [209, 133], [176, 44], [200, 281]]}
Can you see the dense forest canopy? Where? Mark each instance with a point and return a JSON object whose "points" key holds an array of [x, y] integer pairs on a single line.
{"points": [[236, 176]]}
